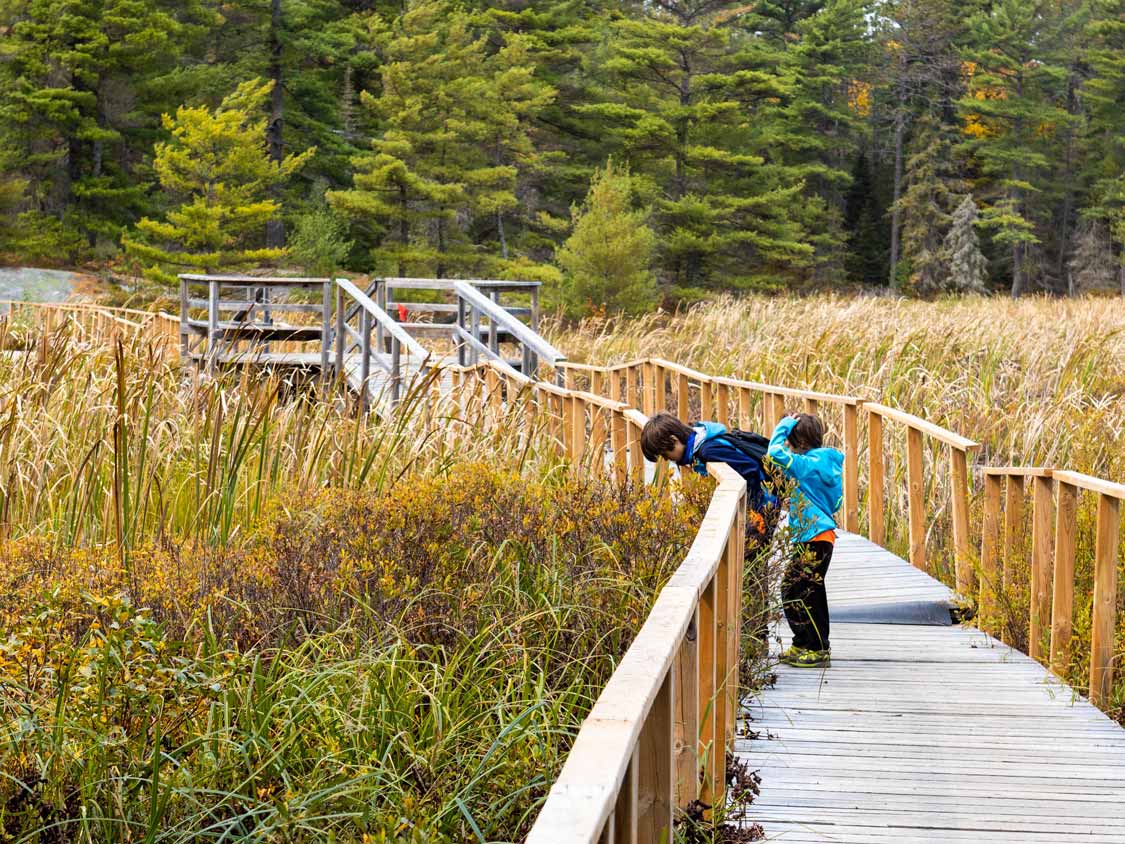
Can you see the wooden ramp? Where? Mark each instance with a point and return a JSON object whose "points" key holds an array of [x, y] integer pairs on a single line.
{"points": [[926, 733]]}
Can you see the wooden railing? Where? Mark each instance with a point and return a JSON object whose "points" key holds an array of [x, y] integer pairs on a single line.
{"points": [[473, 306], [1055, 500], [658, 734], [656, 737], [351, 338], [657, 385], [97, 322], [959, 449]]}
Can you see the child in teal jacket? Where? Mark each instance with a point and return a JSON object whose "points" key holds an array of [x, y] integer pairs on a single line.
{"points": [[816, 473]]}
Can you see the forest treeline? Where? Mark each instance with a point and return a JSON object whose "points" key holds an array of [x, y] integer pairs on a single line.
{"points": [[622, 152]]}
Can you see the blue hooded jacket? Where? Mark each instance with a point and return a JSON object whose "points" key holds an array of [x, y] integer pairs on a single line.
{"points": [[818, 475], [707, 445]]}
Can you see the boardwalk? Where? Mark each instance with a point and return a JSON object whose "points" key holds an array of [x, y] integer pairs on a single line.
{"points": [[927, 732]]}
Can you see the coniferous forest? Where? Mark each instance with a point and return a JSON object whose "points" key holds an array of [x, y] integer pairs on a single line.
{"points": [[625, 153]]}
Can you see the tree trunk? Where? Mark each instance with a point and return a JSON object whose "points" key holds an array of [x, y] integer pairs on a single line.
{"points": [[275, 229], [896, 214], [1017, 270], [503, 239]]}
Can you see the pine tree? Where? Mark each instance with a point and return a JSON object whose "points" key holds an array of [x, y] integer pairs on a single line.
{"points": [[74, 69], [606, 260], [456, 125], [218, 164], [693, 109], [1010, 113], [927, 205], [822, 127], [967, 266]]}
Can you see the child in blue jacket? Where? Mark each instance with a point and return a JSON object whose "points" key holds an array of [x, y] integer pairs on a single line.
{"points": [[710, 442], [816, 473]]}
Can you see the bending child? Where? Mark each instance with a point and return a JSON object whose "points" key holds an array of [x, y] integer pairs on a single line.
{"points": [[796, 448], [710, 442]]}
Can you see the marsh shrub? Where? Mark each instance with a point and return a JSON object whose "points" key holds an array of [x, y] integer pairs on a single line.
{"points": [[372, 666]]}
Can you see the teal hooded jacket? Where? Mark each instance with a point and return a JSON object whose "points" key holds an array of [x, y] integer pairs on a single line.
{"points": [[818, 476]]}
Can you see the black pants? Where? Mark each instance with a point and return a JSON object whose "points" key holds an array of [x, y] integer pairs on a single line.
{"points": [[804, 596]]}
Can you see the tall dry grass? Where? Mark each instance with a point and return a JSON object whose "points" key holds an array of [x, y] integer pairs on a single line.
{"points": [[1037, 382]]}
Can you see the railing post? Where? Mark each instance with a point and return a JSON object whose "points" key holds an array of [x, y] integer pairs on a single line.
{"points": [[656, 783], [381, 301], [876, 524], [325, 327], [683, 397], [916, 502], [396, 371], [723, 403], [686, 671], [461, 357], [184, 315], [625, 808], [735, 555], [631, 386], [1013, 534], [578, 408], [710, 737], [959, 480], [660, 389], [851, 468], [618, 437], [989, 548], [365, 360], [493, 328], [1062, 601], [1105, 599], [744, 409], [339, 338], [636, 458], [214, 343], [706, 400], [474, 321], [1040, 566]]}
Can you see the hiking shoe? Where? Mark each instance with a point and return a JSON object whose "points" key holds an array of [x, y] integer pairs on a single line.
{"points": [[811, 659], [793, 652]]}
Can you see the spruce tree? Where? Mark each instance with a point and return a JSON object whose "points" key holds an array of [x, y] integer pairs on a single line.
{"points": [[865, 261], [967, 267], [1092, 265], [693, 108], [932, 192], [217, 164], [607, 258], [1010, 111]]}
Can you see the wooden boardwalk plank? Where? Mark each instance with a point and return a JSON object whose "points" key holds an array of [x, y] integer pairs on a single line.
{"points": [[925, 733]]}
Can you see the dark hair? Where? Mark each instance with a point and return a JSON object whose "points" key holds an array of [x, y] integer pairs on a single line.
{"points": [[660, 435], [807, 434]]}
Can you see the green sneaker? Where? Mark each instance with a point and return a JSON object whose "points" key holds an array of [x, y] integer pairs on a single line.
{"points": [[811, 659], [792, 653]]}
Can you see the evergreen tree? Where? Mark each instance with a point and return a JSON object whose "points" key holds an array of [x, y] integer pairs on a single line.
{"points": [[456, 124], [1011, 112], [865, 260], [821, 128], [606, 260], [967, 266], [926, 207], [1092, 265], [1104, 96], [320, 242], [218, 164], [73, 73], [693, 109]]}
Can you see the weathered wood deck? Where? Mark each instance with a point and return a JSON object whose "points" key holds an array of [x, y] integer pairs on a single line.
{"points": [[926, 733]]}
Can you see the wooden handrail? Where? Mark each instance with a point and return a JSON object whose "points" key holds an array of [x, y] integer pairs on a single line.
{"points": [[501, 318], [383, 318], [959, 449]]}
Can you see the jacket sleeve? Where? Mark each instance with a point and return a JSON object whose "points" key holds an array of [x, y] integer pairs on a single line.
{"points": [[795, 466]]}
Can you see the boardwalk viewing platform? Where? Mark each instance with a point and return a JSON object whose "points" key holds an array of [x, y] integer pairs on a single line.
{"points": [[921, 730]]}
